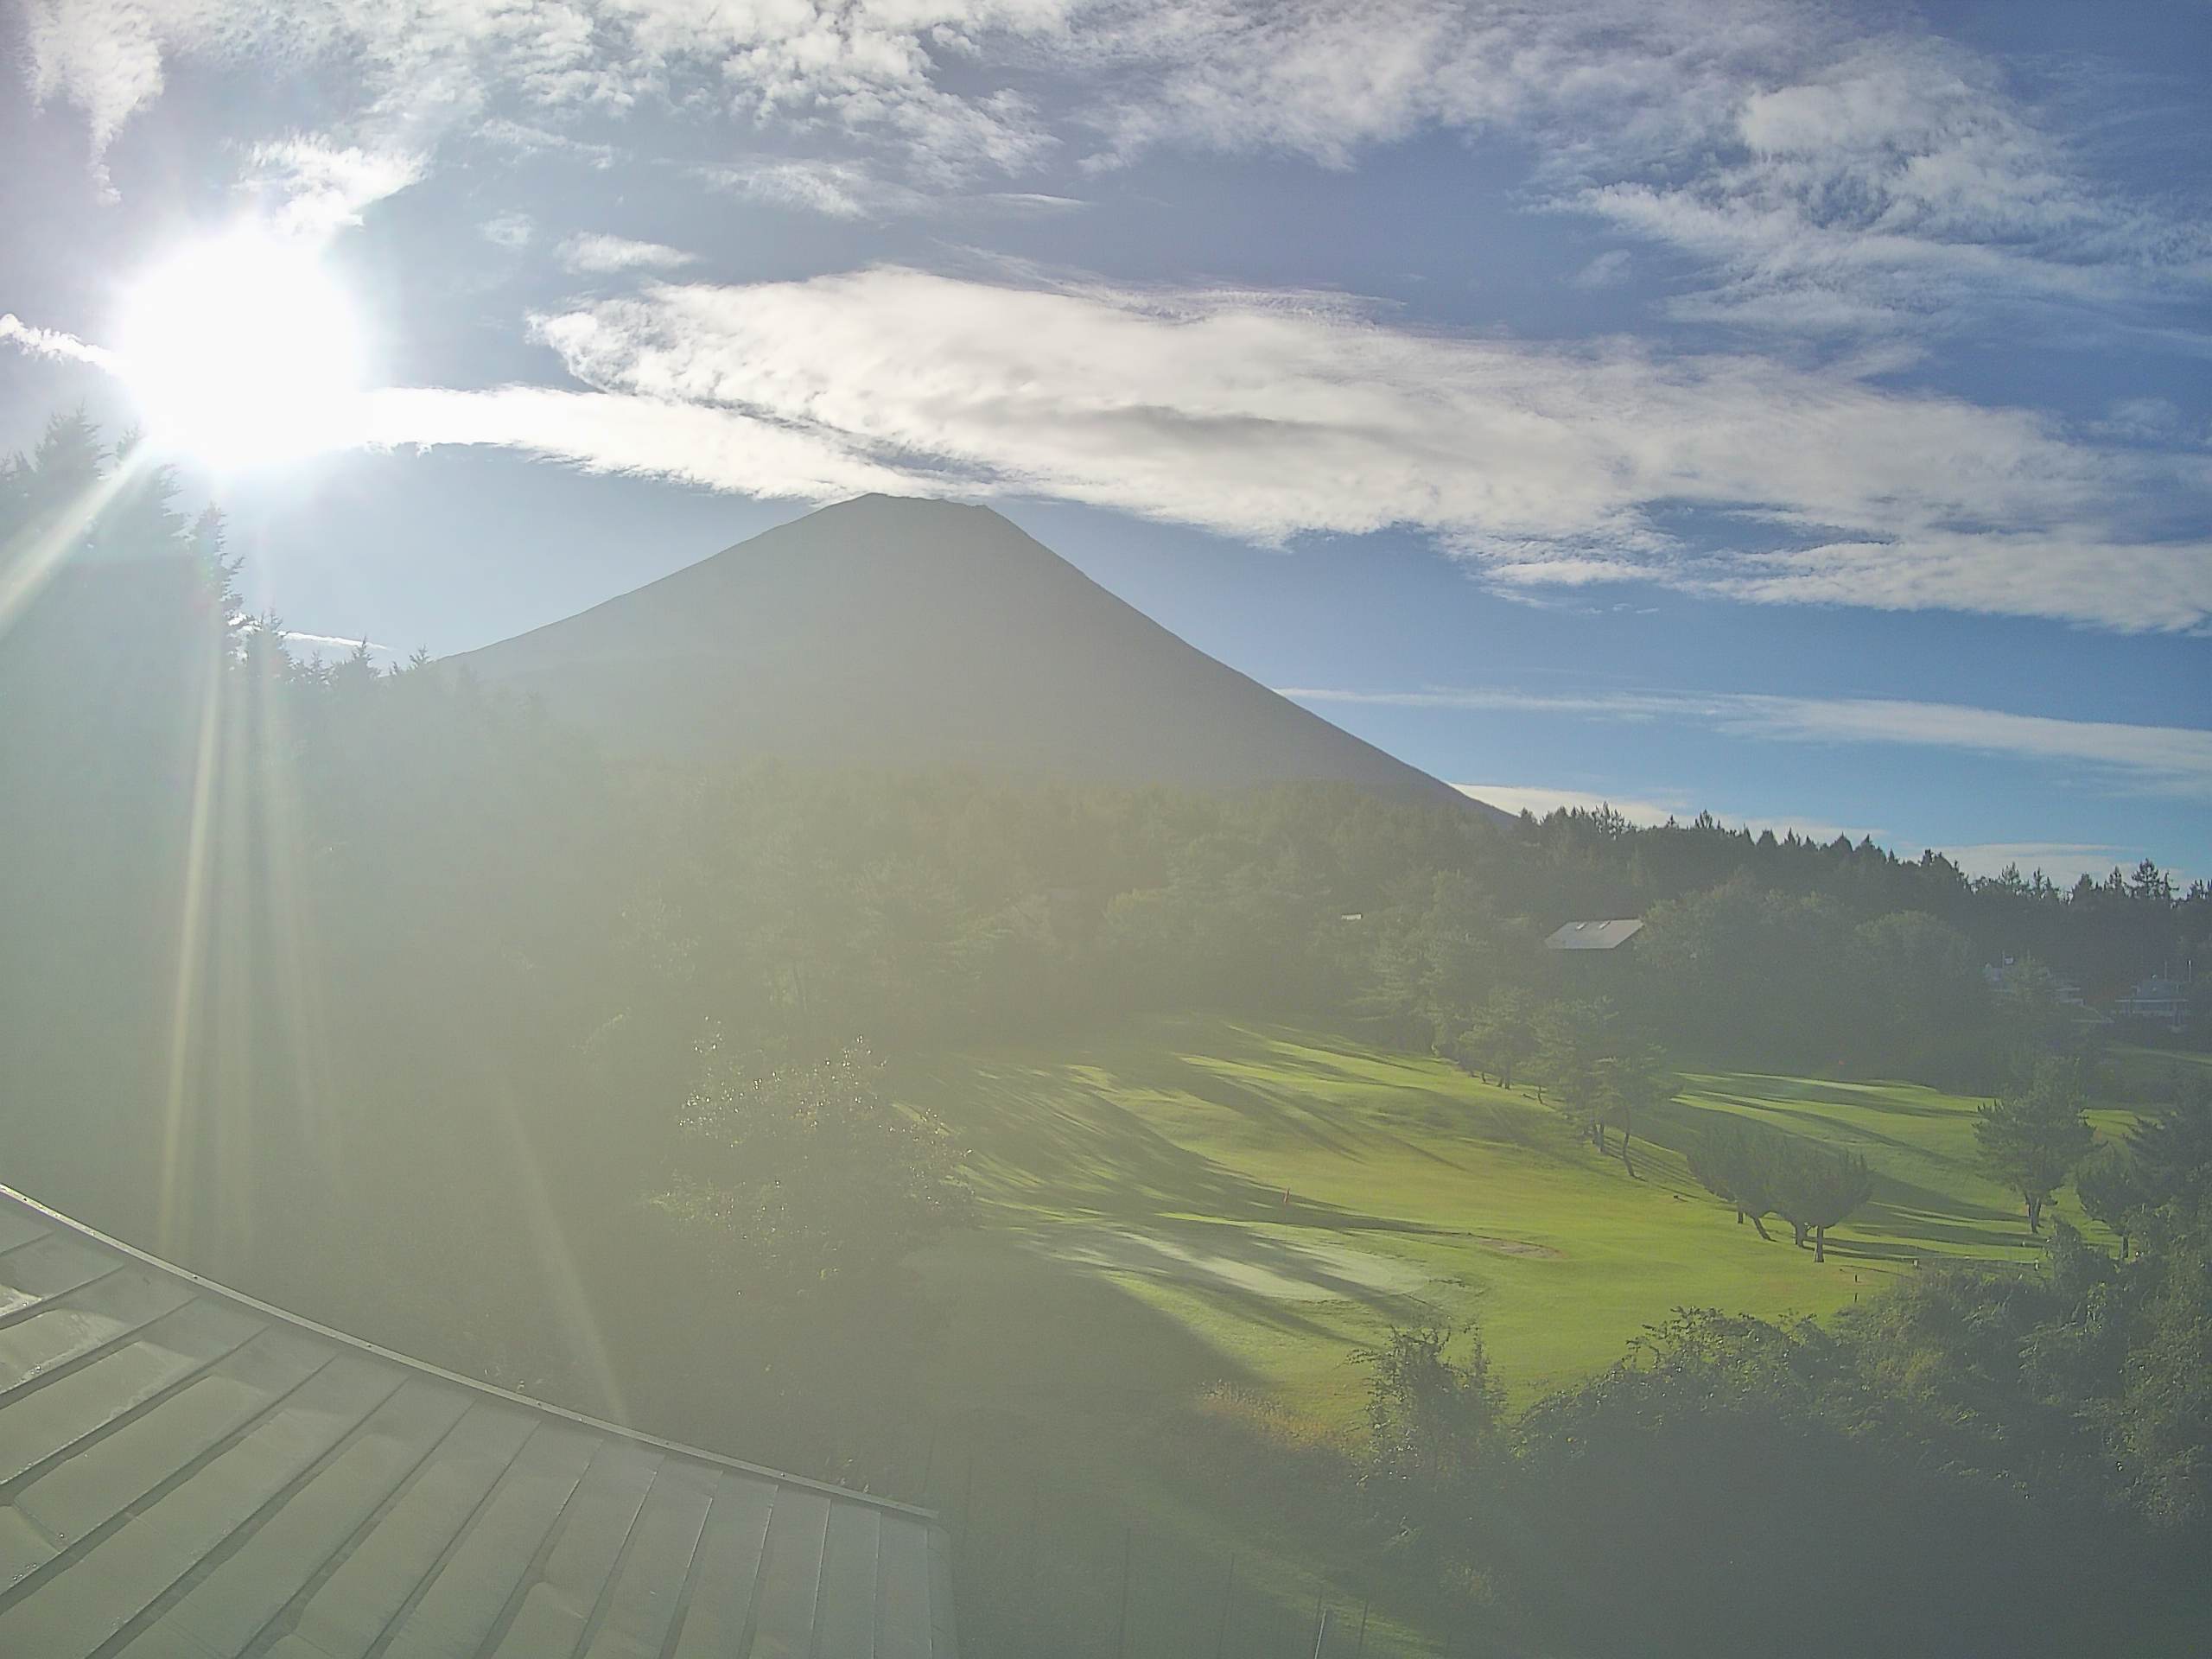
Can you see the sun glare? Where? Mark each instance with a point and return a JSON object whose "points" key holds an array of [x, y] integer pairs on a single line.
{"points": [[242, 350]]}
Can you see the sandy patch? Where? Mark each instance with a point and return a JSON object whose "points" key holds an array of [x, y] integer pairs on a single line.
{"points": [[1519, 1247], [1237, 1258]]}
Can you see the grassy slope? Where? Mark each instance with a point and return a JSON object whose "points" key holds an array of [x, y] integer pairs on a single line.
{"points": [[1195, 1129]]}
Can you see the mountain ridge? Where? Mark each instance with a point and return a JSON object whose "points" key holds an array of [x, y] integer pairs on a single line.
{"points": [[896, 632]]}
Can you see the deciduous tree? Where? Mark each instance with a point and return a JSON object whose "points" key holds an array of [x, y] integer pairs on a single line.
{"points": [[2031, 1137], [1633, 1080], [2112, 1188], [1819, 1188], [810, 1173], [1740, 1163]]}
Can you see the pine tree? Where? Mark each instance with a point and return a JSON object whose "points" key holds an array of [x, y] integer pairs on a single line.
{"points": [[2171, 1144], [1503, 1033], [1571, 1048]]}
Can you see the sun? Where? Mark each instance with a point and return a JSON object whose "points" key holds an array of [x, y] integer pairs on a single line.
{"points": [[241, 350]]}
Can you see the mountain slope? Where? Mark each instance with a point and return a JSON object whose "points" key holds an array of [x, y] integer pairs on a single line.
{"points": [[897, 633]]}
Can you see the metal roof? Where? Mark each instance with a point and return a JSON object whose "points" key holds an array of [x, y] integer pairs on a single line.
{"points": [[1594, 936], [186, 1473]]}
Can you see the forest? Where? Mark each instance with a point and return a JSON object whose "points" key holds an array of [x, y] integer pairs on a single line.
{"points": [[393, 1002]]}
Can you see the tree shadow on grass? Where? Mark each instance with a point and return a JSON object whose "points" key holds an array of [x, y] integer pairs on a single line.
{"points": [[1181, 1074], [1892, 1099], [1261, 1272], [1972, 1230], [1102, 1161], [1931, 1220], [1836, 1131]]}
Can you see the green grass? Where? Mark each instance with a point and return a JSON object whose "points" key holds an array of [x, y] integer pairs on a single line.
{"points": [[1196, 1129], [1430, 1195]]}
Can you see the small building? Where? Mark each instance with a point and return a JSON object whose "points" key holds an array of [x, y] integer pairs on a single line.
{"points": [[1594, 936], [190, 1472], [2159, 999]]}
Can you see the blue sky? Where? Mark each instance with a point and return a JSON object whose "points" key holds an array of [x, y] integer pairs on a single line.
{"points": [[1796, 411]]}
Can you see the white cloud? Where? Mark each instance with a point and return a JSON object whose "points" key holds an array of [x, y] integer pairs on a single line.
{"points": [[52, 344], [1266, 415], [319, 188], [524, 139], [2064, 862], [835, 188], [1028, 202], [2147, 420], [2171, 760], [869, 68], [1608, 270], [508, 230], [636, 437], [2164, 759], [1541, 800], [1831, 169], [594, 252], [322, 645], [852, 190], [1883, 178]]}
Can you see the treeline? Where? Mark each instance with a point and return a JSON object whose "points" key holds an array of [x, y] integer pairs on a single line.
{"points": [[2102, 933]]}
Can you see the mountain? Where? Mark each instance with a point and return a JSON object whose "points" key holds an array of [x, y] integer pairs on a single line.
{"points": [[898, 633]]}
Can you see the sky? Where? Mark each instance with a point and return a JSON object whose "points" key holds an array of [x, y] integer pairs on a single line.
{"points": [[1797, 412]]}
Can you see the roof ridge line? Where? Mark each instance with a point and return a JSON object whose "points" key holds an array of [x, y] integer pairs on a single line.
{"points": [[424, 1367]]}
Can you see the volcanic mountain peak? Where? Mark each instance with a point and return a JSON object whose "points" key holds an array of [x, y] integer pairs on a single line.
{"points": [[899, 633]]}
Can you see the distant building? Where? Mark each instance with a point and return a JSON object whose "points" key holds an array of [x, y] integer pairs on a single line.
{"points": [[193, 1473], [1594, 936], [2157, 1000]]}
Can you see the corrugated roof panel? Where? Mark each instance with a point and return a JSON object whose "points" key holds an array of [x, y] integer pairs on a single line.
{"points": [[227, 1607], [641, 1604], [556, 1609], [74, 1408], [102, 1591], [734, 1540], [20, 1226], [902, 1597], [187, 1474], [851, 1559], [941, 1630], [462, 1604], [44, 1267], [391, 1562], [84, 1323], [790, 1577]]}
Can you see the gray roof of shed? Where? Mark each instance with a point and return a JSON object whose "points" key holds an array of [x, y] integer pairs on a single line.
{"points": [[1594, 936], [186, 1473]]}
